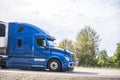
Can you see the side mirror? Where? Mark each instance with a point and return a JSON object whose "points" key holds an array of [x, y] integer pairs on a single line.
{"points": [[44, 44]]}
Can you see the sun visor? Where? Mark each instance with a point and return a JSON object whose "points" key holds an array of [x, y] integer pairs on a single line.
{"points": [[45, 36]]}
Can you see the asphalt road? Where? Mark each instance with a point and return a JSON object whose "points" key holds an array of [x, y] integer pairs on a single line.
{"points": [[77, 72]]}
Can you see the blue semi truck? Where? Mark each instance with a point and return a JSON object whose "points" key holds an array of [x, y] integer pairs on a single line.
{"points": [[23, 45]]}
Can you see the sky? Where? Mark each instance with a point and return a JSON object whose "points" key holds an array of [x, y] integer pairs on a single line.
{"points": [[65, 18]]}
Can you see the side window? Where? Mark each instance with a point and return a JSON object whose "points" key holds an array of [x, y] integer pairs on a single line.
{"points": [[19, 43], [40, 42], [2, 30], [21, 29]]}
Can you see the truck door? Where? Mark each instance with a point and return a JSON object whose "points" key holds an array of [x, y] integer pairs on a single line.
{"points": [[17, 59], [22, 55], [41, 53]]}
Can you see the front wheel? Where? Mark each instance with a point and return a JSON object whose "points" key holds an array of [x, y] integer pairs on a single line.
{"points": [[54, 65]]}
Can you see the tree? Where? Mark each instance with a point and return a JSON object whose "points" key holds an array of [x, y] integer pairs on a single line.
{"points": [[66, 44], [112, 61], [103, 58], [87, 46], [117, 54]]}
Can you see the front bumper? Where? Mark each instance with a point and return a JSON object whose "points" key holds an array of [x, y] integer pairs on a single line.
{"points": [[70, 67]]}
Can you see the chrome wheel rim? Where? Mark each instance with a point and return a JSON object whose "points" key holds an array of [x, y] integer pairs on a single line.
{"points": [[54, 65]]}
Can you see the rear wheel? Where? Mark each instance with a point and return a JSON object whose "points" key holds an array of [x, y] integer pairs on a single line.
{"points": [[54, 65], [3, 63], [3, 66]]}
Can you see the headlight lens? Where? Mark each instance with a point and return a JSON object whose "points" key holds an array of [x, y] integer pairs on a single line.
{"points": [[66, 58]]}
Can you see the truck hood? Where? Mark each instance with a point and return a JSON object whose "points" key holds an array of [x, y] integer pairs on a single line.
{"points": [[59, 50]]}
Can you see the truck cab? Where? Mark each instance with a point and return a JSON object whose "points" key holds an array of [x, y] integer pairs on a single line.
{"points": [[27, 46]]}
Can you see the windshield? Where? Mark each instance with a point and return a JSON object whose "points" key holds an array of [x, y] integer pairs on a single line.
{"points": [[51, 43]]}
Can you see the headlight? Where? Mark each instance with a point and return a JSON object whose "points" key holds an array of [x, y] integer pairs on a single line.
{"points": [[66, 58]]}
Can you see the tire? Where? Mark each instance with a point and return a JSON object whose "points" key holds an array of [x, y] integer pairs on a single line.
{"points": [[3, 66], [54, 65]]}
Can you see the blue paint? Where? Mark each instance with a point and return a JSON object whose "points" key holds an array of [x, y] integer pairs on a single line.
{"points": [[27, 53]]}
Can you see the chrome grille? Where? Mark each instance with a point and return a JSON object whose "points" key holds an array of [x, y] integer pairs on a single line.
{"points": [[73, 57]]}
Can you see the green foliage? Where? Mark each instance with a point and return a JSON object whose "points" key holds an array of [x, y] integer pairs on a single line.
{"points": [[87, 46], [106, 61], [87, 51], [66, 44], [112, 62], [117, 54], [102, 58]]}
